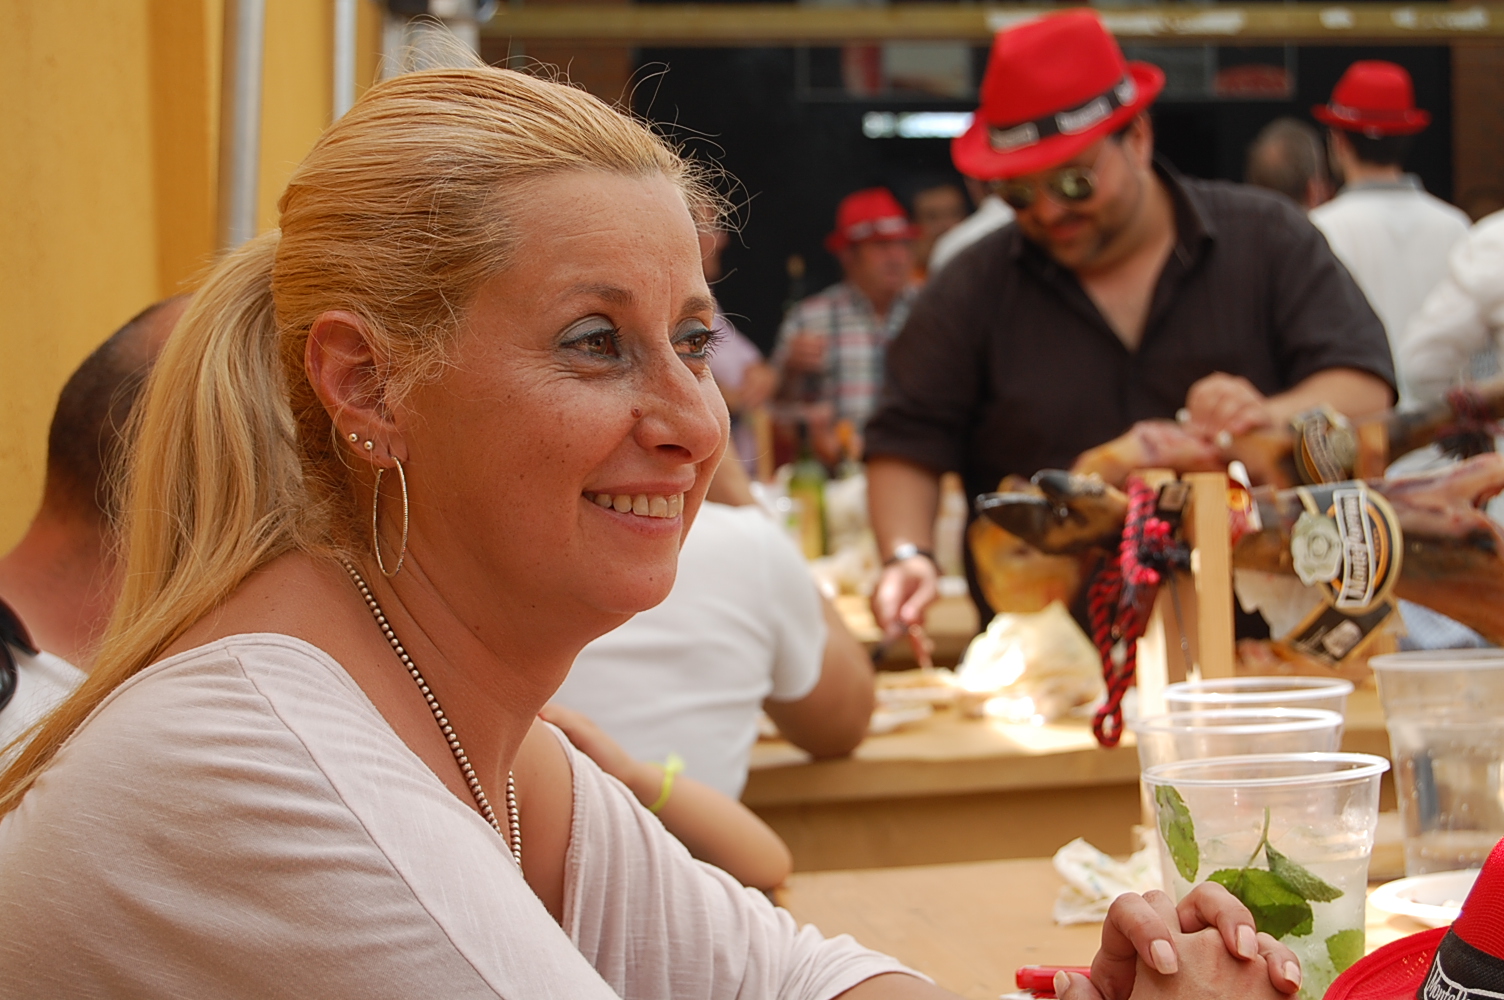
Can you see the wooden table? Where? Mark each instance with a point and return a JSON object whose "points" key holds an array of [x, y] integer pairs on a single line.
{"points": [[969, 926], [953, 789]]}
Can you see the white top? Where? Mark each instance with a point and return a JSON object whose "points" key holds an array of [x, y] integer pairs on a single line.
{"points": [[993, 213], [742, 624], [1463, 315], [238, 821], [42, 681], [1394, 238]]}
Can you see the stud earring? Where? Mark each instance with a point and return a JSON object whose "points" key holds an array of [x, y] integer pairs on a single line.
{"points": [[354, 437], [368, 446]]}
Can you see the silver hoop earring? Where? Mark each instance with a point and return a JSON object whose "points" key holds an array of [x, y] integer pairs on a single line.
{"points": [[375, 505]]}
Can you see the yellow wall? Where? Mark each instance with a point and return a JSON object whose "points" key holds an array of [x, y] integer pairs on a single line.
{"points": [[107, 182]]}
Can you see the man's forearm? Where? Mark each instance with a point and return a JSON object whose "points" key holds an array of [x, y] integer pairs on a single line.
{"points": [[902, 499], [1349, 391]]}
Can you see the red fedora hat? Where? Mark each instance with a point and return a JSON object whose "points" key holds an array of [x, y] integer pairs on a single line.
{"points": [[869, 214], [1054, 86], [1375, 98], [1462, 962]]}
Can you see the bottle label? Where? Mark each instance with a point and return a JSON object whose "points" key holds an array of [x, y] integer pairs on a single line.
{"points": [[1325, 447], [1348, 542], [1331, 636]]}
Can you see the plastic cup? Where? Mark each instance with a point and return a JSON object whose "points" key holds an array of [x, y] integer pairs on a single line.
{"points": [[1327, 693], [1163, 739], [1289, 834], [1445, 714]]}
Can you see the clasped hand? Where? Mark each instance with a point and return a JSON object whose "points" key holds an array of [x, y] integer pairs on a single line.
{"points": [[1204, 947]]}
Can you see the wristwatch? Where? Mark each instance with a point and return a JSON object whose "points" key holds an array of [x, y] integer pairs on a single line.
{"points": [[908, 550]]}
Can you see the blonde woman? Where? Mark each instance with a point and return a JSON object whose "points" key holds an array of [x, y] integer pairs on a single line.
{"points": [[399, 462]]}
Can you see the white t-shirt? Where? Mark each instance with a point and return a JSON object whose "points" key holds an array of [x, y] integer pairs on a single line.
{"points": [[1394, 238], [743, 623], [239, 822], [42, 681], [992, 214], [1464, 313]]}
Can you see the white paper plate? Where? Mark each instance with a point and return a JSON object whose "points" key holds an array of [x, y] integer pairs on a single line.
{"points": [[1434, 900], [885, 720]]}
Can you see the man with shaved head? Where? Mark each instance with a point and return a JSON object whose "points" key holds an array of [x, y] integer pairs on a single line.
{"points": [[59, 584]]}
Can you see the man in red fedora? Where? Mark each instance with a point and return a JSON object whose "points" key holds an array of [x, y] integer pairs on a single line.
{"points": [[1122, 292], [1393, 236], [831, 346]]}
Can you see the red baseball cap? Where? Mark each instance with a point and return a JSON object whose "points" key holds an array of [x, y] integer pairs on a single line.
{"points": [[869, 214], [1461, 962], [1375, 98], [1054, 85]]}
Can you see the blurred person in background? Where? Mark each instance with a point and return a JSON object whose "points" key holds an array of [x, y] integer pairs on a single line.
{"points": [[1462, 318], [715, 827], [1122, 292], [1391, 234], [832, 344], [59, 584], [745, 378], [938, 208], [1287, 156], [992, 213]]}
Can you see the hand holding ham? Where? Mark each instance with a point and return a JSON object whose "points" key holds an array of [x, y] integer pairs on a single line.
{"points": [[1220, 407], [1204, 947], [1149, 444]]}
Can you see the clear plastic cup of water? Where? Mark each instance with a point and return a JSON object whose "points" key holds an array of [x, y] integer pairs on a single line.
{"points": [[1445, 714], [1163, 739], [1329, 693], [1288, 834]]}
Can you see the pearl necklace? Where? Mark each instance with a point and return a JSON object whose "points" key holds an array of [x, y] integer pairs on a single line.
{"points": [[481, 802]]}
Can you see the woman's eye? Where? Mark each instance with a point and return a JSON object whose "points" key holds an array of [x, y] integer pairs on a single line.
{"points": [[603, 343], [695, 343]]}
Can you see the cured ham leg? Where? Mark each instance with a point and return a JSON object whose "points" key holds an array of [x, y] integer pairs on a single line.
{"points": [[1269, 454], [1452, 559]]}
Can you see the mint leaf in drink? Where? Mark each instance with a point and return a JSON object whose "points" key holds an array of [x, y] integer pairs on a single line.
{"points": [[1308, 886], [1277, 909], [1345, 947], [1179, 832]]}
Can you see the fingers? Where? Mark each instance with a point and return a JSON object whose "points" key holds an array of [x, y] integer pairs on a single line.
{"points": [[922, 596], [1222, 406], [1074, 986], [1137, 927], [1211, 905], [1284, 967], [904, 592]]}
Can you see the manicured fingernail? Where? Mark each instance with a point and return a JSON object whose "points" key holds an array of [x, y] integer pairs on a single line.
{"points": [[1248, 945], [1164, 957], [1292, 973], [1062, 982]]}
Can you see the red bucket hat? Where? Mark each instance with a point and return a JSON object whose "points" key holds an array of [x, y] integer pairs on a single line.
{"points": [[1054, 86], [869, 214], [1375, 98], [1462, 962]]}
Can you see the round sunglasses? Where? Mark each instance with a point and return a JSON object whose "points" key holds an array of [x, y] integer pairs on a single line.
{"points": [[1067, 185]]}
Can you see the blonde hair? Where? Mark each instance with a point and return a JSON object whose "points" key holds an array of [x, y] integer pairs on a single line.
{"points": [[397, 215]]}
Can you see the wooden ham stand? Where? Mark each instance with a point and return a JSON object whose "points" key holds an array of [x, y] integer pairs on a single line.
{"points": [[1199, 640]]}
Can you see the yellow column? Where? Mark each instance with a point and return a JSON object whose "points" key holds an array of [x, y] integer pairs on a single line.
{"points": [[77, 193], [107, 184]]}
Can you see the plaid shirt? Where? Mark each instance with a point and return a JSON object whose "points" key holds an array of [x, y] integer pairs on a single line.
{"points": [[857, 341]]}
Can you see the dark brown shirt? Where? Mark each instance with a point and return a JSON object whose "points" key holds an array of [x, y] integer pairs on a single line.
{"points": [[1006, 366]]}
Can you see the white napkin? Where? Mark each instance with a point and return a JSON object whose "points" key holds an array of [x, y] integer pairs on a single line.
{"points": [[1093, 880]]}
